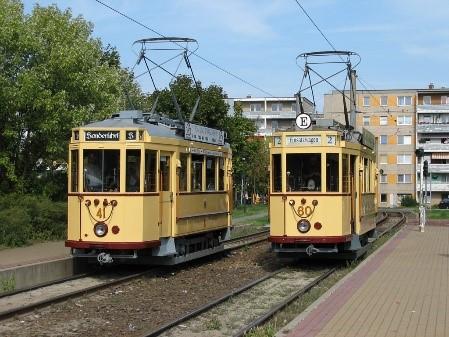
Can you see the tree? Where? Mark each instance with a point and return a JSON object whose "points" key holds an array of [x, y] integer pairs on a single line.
{"points": [[54, 76], [212, 109]]}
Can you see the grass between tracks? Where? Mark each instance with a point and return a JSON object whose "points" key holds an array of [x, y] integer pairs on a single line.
{"points": [[302, 303]]}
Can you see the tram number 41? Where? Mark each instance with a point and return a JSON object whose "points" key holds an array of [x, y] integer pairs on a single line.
{"points": [[101, 213]]}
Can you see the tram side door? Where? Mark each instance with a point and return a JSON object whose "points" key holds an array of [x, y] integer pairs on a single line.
{"points": [[166, 187], [353, 191]]}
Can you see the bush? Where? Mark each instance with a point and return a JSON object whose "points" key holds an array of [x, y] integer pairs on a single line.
{"points": [[15, 227], [408, 201], [25, 218]]}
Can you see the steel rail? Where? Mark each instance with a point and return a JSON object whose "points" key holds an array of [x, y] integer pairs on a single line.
{"points": [[245, 240], [269, 314], [209, 305]]}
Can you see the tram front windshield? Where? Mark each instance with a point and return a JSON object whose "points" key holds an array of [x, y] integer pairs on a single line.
{"points": [[101, 170], [303, 172]]}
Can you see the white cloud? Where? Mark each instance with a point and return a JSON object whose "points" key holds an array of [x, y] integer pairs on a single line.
{"points": [[248, 18]]}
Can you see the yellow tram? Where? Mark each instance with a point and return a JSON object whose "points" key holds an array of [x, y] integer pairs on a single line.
{"points": [[323, 192], [145, 189]]}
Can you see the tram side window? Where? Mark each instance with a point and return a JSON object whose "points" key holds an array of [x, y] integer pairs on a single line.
{"points": [[132, 170], [165, 173], [197, 172], [276, 173], [150, 171], [345, 168], [210, 173], [101, 170], [183, 172], [332, 172], [366, 175], [303, 172], [221, 174], [74, 171]]}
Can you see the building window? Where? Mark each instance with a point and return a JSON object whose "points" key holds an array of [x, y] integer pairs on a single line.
{"points": [[276, 107], [383, 159], [404, 120], [404, 178], [404, 140], [404, 159], [383, 100], [366, 101], [255, 107], [402, 196], [365, 120], [444, 99], [383, 179], [294, 107], [383, 120], [427, 100], [404, 100], [383, 197], [383, 139], [274, 125]]}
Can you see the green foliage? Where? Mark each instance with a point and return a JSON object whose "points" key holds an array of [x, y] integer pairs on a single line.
{"points": [[7, 284], [54, 76], [213, 324], [212, 108], [408, 201], [24, 218]]}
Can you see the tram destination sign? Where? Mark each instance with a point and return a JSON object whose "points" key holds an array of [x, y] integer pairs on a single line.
{"points": [[101, 136], [203, 134], [303, 140]]}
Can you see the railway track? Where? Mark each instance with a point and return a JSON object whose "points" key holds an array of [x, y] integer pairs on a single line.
{"points": [[276, 280], [39, 296], [242, 310]]}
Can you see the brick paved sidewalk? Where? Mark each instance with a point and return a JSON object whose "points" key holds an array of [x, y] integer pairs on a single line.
{"points": [[401, 290]]}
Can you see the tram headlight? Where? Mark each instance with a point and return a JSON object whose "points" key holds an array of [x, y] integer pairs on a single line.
{"points": [[100, 229], [303, 225]]}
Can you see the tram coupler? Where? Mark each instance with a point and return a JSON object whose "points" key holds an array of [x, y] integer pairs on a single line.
{"points": [[311, 250], [104, 258]]}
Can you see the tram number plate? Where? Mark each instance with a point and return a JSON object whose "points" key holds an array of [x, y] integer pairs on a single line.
{"points": [[303, 140], [331, 140]]}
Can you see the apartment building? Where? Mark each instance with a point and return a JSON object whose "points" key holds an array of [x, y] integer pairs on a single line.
{"points": [[390, 116], [271, 114], [432, 135]]}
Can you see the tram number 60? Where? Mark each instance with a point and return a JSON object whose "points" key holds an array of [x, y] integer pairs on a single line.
{"points": [[304, 210]]}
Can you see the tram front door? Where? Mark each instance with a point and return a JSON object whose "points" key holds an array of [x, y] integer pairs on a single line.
{"points": [[166, 194]]}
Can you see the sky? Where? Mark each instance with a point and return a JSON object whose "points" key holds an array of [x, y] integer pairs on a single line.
{"points": [[402, 44]]}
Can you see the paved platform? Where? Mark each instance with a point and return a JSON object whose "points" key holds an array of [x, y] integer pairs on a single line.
{"points": [[401, 290], [40, 252]]}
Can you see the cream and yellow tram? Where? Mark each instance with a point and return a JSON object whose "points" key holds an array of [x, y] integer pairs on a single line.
{"points": [[323, 192], [145, 190]]}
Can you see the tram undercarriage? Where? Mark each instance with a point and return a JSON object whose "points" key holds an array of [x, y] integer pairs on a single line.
{"points": [[357, 246], [171, 250]]}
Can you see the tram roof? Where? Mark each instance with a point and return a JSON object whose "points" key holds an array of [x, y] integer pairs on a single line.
{"points": [[160, 127]]}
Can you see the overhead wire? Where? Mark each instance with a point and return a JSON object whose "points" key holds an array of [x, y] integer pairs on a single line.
{"points": [[333, 47], [194, 53]]}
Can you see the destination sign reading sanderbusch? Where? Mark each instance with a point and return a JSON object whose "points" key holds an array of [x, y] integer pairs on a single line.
{"points": [[203, 134], [303, 140], [102, 135]]}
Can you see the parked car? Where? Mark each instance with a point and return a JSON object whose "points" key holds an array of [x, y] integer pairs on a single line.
{"points": [[444, 203]]}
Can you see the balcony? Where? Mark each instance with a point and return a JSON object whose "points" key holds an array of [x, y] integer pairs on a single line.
{"points": [[433, 147], [432, 128], [434, 187], [269, 114], [436, 168], [433, 108]]}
